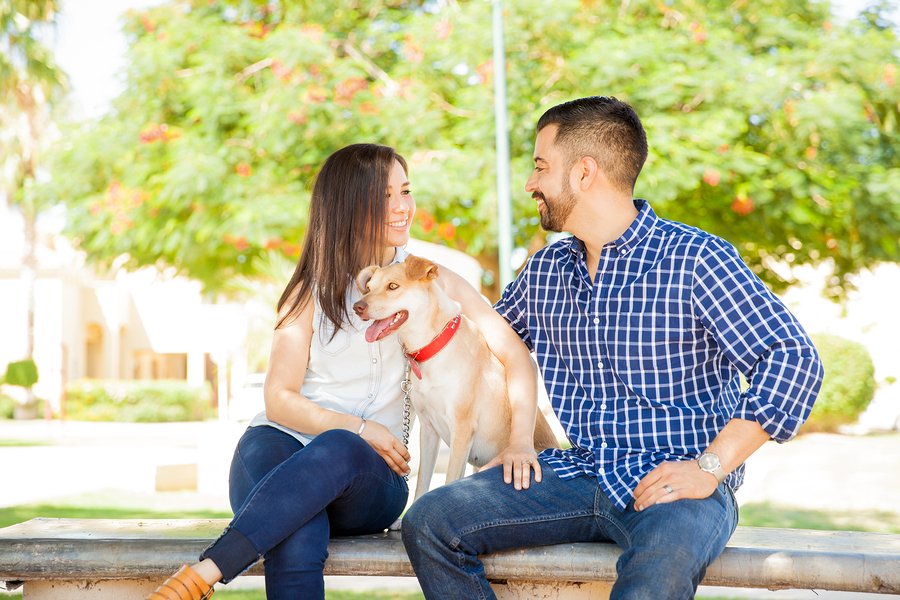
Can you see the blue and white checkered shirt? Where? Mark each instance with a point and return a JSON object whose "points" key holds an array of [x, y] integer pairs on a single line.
{"points": [[642, 364]]}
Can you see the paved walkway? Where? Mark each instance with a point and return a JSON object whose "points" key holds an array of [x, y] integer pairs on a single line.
{"points": [[818, 471]]}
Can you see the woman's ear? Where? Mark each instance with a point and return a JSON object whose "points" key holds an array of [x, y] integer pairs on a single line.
{"points": [[362, 280]]}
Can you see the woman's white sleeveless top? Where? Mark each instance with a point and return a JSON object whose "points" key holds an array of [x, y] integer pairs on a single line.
{"points": [[350, 375]]}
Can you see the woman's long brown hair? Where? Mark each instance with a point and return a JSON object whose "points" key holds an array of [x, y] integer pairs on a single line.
{"points": [[345, 231]]}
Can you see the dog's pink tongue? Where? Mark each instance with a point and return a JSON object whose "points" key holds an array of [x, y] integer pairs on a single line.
{"points": [[376, 328]]}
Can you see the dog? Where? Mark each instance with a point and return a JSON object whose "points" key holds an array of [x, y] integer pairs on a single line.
{"points": [[460, 392]]}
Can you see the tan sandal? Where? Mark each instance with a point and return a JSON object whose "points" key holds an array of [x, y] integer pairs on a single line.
{"points": [[185, 584]]}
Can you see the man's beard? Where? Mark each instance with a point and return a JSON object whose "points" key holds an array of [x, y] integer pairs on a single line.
{"points": [[556, 210]]}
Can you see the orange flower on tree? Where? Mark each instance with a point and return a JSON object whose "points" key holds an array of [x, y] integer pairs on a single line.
{"points": [[243, 169], [711, 177], [297, 117], [426, 220], [446, 231], [348, 88], [742, 205], [315, 94], [290, 249], [239, 242], [368, 108]]}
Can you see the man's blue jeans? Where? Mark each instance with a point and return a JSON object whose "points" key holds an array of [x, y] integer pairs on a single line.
{"points": [[666, 548], [289, 499]]}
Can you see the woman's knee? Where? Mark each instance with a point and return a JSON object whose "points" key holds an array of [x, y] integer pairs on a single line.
{"points": [[344, 448]]}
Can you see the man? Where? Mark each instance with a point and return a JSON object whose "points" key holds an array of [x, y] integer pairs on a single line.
{"points": [[641, 327]]}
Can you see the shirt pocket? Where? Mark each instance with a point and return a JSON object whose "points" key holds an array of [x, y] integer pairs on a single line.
{"points": [[651, 352], [329, 342]]}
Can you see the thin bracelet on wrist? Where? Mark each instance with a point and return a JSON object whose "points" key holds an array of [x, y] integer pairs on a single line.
{"points": [[362, 427]]}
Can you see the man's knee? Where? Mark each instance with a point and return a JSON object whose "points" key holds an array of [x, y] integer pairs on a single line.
{"points": [[427, 520]]}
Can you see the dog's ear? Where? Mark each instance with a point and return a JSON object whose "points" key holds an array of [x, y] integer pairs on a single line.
{"points": [[362, 280], [420, 268]]}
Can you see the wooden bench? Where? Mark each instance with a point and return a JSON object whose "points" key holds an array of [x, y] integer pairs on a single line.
{"points": [[79, 558]]}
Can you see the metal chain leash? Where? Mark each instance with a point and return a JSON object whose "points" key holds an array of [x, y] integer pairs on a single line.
{"points": [[406, 387]]}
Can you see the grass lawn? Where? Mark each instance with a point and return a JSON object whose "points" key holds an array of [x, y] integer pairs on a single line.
{"points": [[16, 514], [23, 443], [769, 515]]}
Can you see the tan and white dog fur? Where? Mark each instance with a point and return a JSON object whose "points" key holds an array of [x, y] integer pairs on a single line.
{"points": [[461, 397]]}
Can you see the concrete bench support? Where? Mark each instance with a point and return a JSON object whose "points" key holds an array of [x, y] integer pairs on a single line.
{"points": [[124, 559]]}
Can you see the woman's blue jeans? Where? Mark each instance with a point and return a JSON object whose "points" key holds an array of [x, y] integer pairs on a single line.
{"points": [[666, 548], [288, 499]]}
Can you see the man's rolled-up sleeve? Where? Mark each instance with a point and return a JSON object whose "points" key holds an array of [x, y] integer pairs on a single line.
{"points": [[512, 307], [760, 336]]}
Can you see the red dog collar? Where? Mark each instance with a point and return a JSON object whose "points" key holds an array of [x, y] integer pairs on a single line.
{"points": [[434, 346]]}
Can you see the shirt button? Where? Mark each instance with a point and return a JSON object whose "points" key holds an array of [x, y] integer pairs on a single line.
{"points": [[625, 251], [603, 445], [603, 407], [370, 395], [600, 365], [596, 320], [374, 360]]}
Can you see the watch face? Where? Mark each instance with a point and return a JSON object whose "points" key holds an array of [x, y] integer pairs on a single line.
{"points": [[709, 462]]}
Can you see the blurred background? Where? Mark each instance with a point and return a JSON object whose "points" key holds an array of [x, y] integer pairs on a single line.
{"points": [[156, 160]]}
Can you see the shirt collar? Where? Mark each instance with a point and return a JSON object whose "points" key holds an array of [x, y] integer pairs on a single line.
{"points": [[642, 225], [400, 255]]}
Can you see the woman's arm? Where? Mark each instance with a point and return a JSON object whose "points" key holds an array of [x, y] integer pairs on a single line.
{"points": [[521, 378], [286, 406]]}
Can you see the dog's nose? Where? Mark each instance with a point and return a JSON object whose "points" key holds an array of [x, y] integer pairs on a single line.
{"points": [[359, 307]]}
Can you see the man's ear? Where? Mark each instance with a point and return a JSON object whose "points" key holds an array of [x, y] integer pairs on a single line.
{"points": [[418, 268], [362, 280], [586, 172]]}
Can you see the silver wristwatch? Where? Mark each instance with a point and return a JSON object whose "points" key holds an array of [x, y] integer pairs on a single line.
{"points": [[709, 463]]}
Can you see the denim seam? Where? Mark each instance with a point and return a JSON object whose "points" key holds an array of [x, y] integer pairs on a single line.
{"points": [[454, 543], [607, 516], [711, 539]]}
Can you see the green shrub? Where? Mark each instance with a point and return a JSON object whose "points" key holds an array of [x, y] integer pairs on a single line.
{"points": [[849, 383], [154, 401], [7, 407]]}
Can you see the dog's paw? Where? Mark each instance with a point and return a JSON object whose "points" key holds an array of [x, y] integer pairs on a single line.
{"points": [[395, 526]]}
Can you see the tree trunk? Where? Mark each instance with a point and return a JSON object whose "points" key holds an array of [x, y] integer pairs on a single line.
{"points": [[29, 278]]}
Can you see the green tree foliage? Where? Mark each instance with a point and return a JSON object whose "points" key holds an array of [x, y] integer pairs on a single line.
{"points": [[768, 124], [30, 85]]}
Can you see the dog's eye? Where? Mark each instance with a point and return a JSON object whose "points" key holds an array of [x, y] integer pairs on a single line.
{"points": [[392, 286]]}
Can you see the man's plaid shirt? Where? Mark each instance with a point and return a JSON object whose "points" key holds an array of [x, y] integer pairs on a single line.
{"points": [[642, 365]]}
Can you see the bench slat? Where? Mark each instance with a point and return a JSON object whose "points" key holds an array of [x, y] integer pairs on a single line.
{"points": [[67, 549]]}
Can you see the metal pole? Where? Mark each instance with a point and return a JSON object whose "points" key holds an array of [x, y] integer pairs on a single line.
{"points": [[504, 213]]}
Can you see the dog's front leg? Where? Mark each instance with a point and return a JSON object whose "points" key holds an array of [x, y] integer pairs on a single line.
{"points": [[429, 444], [460, 447]]}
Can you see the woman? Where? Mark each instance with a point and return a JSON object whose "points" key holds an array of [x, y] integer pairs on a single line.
{"points": [[326, 458]]}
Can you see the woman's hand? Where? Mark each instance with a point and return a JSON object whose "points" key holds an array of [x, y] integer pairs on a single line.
{"points": [[387, 446]]}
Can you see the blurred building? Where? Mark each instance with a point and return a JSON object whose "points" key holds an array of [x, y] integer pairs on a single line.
{"points": [[125, 325]]}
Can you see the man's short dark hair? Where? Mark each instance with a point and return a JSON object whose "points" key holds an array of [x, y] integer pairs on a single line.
{"points": [[604, 128]]}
